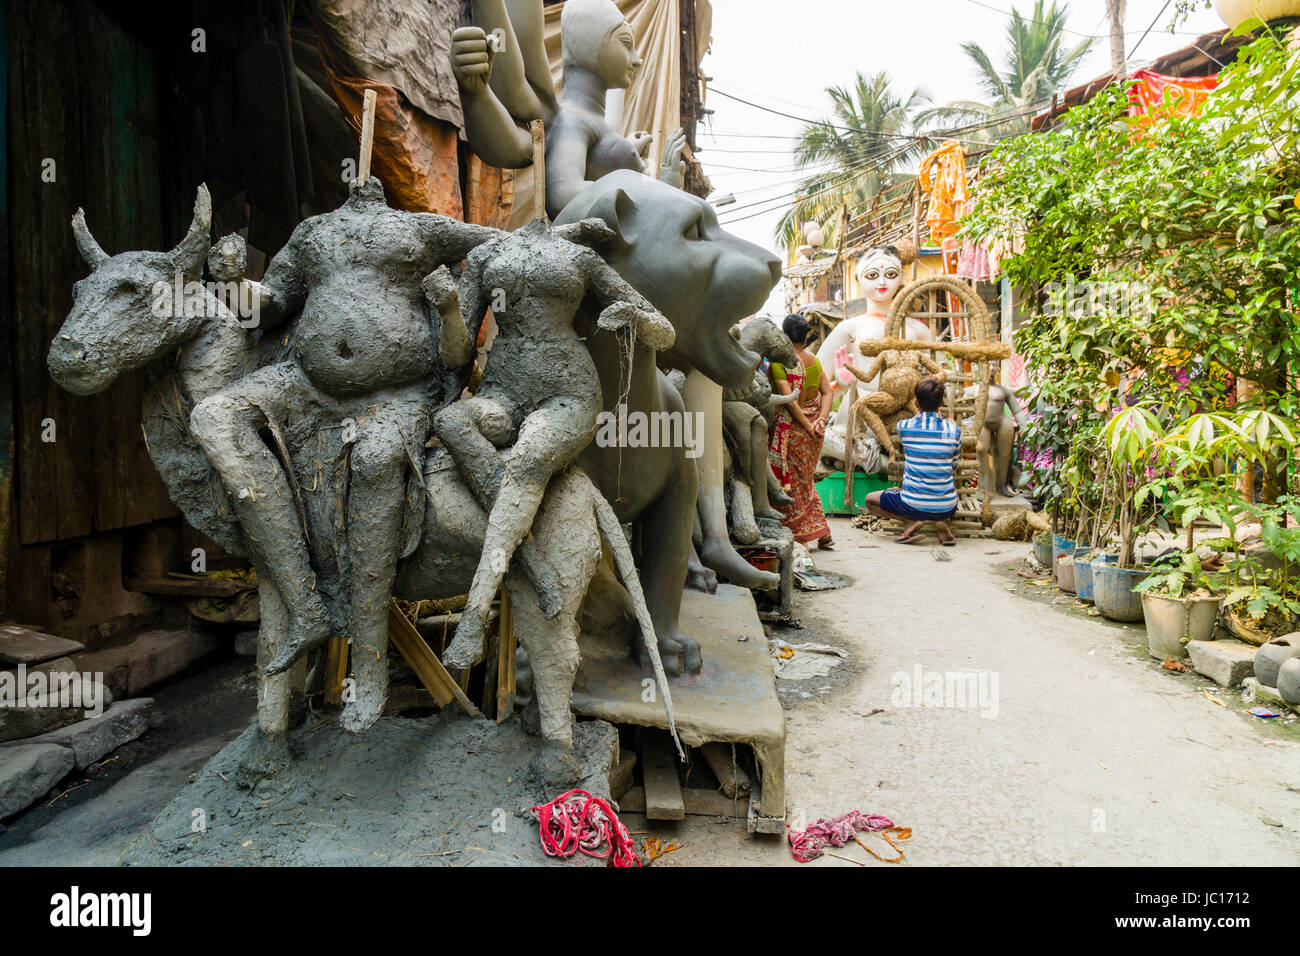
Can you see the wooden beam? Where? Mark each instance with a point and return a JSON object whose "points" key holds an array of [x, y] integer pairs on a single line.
{"points": [[403, 636], [505, 659], [538, 133], [186, 586], [336, 670], [663, 791]]}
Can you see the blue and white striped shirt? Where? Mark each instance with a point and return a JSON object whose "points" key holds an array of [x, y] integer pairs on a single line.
{"points": [[931, 445]]}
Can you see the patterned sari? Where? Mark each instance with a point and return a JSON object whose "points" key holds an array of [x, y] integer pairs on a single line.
{"points": [[793, 455]]}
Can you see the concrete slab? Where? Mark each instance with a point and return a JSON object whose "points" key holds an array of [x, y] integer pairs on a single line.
{"points": [[93, 739], [27, 772], [37, 717], [1225, 662], [147, 659], [733, 698], [21, 645]]}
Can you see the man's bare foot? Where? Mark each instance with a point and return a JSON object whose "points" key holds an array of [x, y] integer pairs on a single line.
{"points": [[946, 537], [909, 533]]}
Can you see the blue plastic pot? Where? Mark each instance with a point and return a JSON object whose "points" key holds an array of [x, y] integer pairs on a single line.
{"points": [[1060, 546], [1112, 591], [1043, 550], [1083, 575]]}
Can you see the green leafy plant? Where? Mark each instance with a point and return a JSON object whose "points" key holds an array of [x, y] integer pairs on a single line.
{"points": [[1177, 573]]}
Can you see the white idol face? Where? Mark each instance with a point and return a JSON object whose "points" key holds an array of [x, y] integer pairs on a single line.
{"points": [[619, 62], [880, 276]]}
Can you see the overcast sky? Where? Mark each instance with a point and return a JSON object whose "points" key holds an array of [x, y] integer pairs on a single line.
{"points": [[784, 53]]}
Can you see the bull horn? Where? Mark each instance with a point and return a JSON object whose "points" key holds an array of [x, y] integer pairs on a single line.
{"points": [[192, 251], [90, 250]]}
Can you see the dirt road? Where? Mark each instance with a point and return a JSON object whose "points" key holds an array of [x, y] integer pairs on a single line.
{"points": [[1073, 748]]}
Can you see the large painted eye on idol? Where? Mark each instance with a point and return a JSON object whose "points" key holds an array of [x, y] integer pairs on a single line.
{"points": [[892, 274], [873, 274]]}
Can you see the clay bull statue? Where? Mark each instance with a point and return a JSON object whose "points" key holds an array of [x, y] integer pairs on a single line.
{"points": [[668, 246], [124, 318]]}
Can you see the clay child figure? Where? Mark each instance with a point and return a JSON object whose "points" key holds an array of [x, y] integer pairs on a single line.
{"points": [[895, 400], [365, 365], [540, 392]]}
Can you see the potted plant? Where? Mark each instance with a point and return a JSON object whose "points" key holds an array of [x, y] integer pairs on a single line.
{"points": [[1129, 437], [1179, 604], [1265, 601]]}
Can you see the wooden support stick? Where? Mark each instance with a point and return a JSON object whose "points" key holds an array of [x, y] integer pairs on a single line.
{"points": [[539, 168], [732, 779], [367, 136], [336, 670], [505, 659], [435, 678]]}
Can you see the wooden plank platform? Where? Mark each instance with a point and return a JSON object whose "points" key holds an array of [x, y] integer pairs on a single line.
{"points": [[732, 700]]}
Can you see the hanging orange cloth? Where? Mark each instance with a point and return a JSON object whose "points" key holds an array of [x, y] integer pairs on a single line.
{"points": [[943, 178], [1186, 95]]}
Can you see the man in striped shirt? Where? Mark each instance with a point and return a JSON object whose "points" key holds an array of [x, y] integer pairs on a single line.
{"points": [[931, 446]]}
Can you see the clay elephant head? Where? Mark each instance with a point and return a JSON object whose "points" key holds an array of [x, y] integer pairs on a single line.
{"points": [[669, 246]]}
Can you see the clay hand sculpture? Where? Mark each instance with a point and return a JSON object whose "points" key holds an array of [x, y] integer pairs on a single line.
{"points": [[364, 361], [503, 86], [540, 393], [895, 399]]}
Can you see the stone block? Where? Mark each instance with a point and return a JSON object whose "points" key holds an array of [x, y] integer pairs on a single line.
{"points": [[1225, 662], [94, 739], [147, 659], [38, 716], [28, 771], [21, 645]]}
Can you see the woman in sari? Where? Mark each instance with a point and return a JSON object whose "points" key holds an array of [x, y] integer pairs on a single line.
{"points": [[795, 442]]}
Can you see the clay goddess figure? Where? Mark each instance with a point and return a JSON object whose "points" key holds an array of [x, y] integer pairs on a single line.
{"points": [[540, 392], [880, 273], [364, 366]]}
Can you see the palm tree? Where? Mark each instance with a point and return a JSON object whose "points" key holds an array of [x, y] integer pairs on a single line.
{"points": [[861, 145], [1037, 65]]}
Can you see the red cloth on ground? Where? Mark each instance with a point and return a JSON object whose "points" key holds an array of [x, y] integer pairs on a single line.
{"points": [[807, 845]]}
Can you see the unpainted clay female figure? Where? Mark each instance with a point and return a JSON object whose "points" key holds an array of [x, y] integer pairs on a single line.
{"points": [[540, 392], [503, 91], [599, 56]]}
